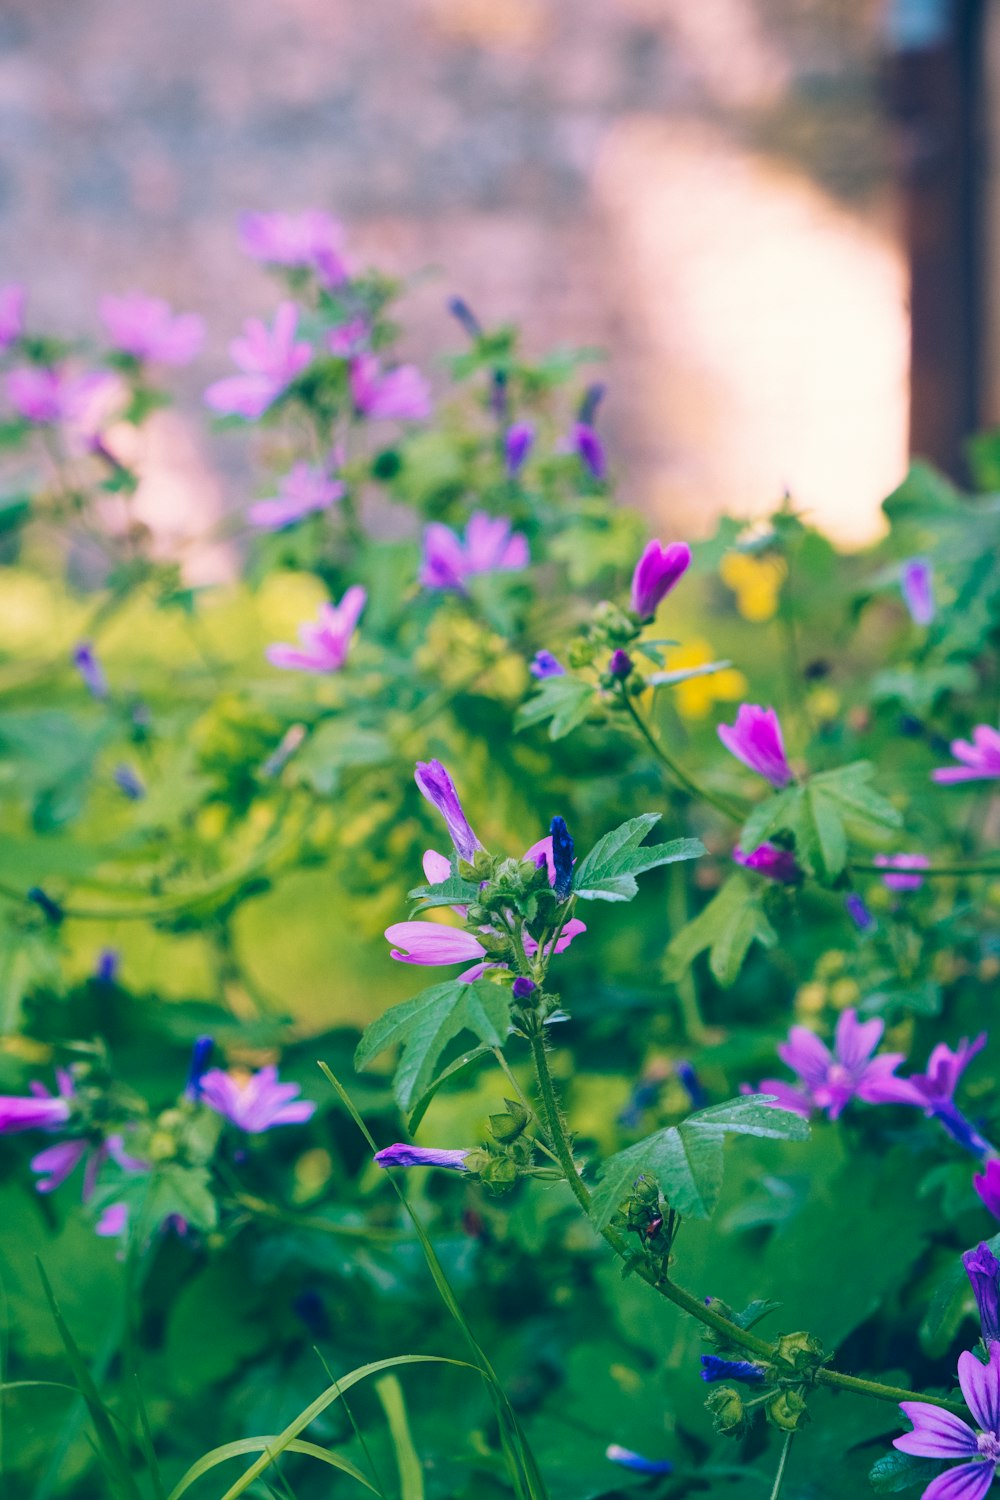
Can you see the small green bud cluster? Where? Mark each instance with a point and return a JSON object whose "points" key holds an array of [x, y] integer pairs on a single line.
{"points": [[507, 1155], [603, 645], [646, 1213]]}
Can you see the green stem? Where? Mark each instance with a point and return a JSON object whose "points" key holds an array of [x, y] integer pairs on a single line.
{"points": [[686, 986], [677, 771], [782, 1462], [955, 871], [738, 1337]]}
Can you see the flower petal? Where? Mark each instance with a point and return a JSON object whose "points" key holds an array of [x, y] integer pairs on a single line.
{"points": [[981, 1387], [967, 1482], [937, 1433]]}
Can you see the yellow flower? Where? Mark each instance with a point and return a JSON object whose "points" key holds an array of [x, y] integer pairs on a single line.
{"points": [[756, 582], [696, 696]]}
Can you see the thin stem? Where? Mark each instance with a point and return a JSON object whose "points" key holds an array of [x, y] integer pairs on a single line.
{"points": [[954, 871], [686, 986], [782, 1462], [677, 771]]}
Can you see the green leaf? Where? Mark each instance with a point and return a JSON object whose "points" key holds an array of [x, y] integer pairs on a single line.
{"points": [[426, 1024], [894, 1472], [565, 700], [818, 814], [686, 1159], [332, 747], [608, 872], [684, 674], [411, 1474], [732, 920], [451, 892]]}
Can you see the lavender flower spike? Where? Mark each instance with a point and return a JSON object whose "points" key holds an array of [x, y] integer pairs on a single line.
{"points": [[616, 1454], [402, 1155], [256, 1103], [657, 572], [980, 759], [437, 786], [756, 740], [916, 581], [940, 1434], [546, 665], [713, 1367], [983, 1271]]}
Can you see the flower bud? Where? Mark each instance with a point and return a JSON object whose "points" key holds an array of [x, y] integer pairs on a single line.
{"points": [[787, 1410], [726, 1406], [803, 1351], [507, 1127], [620, 665], [523, 988]]}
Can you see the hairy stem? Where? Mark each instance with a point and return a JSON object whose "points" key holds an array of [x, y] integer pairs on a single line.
{"points": [[782, 1462], [678, 772]]}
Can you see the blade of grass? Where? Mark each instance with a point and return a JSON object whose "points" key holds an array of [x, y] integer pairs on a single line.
{"points": [[411, 1474], [372, 1466]]}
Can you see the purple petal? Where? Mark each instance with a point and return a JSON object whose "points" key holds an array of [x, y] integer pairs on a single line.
{"points": [[981, 1387], [967, 1482], [937, 1433]]}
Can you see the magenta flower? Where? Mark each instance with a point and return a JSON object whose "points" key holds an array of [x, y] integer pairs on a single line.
{"points": [[901, 862], [938, 1433], [148, 328], [49, 397], [270, 359], [983, 1271], [657, 572], [546, 665], [308, 241], [113, 1221], [400, 395], [430, 944], [40, 1111], [348, 339], [830, 1080], [916, 582], [402, 1155], [304, 490], [987, 1185], [325, 644], [772, 861], [517, 444], [13, 297], [859, 913], [937, 1088], [980, 759], [756, 740], [437, 786], [489, 546], [55, 1163], [256, 1103]]}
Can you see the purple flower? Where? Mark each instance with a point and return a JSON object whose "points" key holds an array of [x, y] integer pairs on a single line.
{"points": [[987, 1185], [308, 241], [304, 490], [755, 739], [897, 882], [106, 967], [56, 1163], [616, 1454], [402, 1155], [859, 913], [944, 1070], [517, 444], [325, 644], [772, 861], [916, 580], [657, 572], [201, 1056], [938, 1433], [620, 665], [692, 1084], [400, 395], [522, 988], [270, 359], [980, 759], [40, 1110], [489, 546], [348, 339], [437, 786], [129, 782], [713, 1367], [148, 328], [431, 943], [463, 314], [113, 1221], [50, 397], [546, 665], [983, 1271], [255, 1103], [830, 1080], [585, 443], [13, 297], [562, 858], [86, 663]]}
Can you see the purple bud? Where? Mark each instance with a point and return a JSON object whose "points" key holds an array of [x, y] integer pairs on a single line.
{"points": [[518, 441], [90, 670], [635, 1461], [859, 913], [51, 908], [589, 448], [770, 860], [106, 967], [620, 665], [463, 314], [402, 1155], [657, 572], [916, 580], [546, 665], [592, 398], [756, 740], [693, 1084], [201, 1056], [983, 1271], [439, 789], [562, 858], [129, 783], [522, 988], [713, 1367]]}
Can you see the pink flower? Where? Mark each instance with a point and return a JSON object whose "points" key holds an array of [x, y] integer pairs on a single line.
{"points": [[987, 1185], [13, 297], [304, 490], [658, 571], [312, 240], [256, 1103], [148, 328], [50, 397], [830, 1080], [902, 862], [489, 546], [980, 759], [348, 339], [916, 582], [39, 1111], [770, 860], [756, 740], [401, 394], [324, 645], [270, 359], [431, 943], [113, 1221]]}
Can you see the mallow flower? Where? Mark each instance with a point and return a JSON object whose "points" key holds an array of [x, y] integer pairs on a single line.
{"points": [[49, 396], [40, 1110], [401, 395], [56, 1163], [304, 490], [13, 297], [437, 786], [983, 1271], [756, 740], [489, 546], [254, 1102], [770, 860], [402, 1155], [149, 329], [583, 438], [916, 582], [987, 1185], [657, 572], [517, 444], [270, 359], [938, 1433], [432, 944], [830, 1080], [312, 241], [980, 758], [937, 1087], [544, 664], [714, 1367], [898, 865], [325, 643]]}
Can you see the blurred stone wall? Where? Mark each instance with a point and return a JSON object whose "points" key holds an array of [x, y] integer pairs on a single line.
{"points": [[701, 189]]}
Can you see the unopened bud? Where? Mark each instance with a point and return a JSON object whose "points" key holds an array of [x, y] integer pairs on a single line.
{"points": [[726, 1406], [787, 1410]]}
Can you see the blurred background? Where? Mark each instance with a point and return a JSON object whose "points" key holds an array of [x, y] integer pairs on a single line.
{"points": [[740, 201]]}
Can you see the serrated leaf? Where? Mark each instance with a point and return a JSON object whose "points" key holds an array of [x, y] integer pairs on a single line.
{"points": [[686, 1159], [566, 700], [426, 1024], [816, 814], [732, 920], [608, 872]]}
